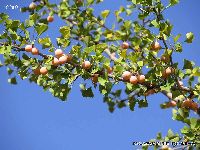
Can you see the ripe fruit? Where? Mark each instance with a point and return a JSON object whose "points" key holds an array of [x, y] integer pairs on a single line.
{"points": [[86, 65], [69, 57], [58, 53], [32, 6], [126, 75], [141, 78], [167, 72], [186, 103], [172, 103], [35, 51], [165, 58], [55, 61], [63, 59], [95, 78], [133, 80], [43, 70], [164, 147], [28, 48], [36, 71], [50, 18], [194, 106], [109, 70], [155, 46], [125, 45]]}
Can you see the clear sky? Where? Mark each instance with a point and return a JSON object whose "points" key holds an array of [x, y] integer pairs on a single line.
{"points": [[31, 119]]}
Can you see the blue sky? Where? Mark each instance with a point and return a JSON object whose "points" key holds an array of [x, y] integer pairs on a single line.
{"points": [[35, 120]]}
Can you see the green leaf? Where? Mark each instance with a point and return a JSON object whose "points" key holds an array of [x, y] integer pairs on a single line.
{"points": [[12, 80], [65, 31], [87, 92], [9, 70], [188, 64], [193, 123], [170, 134], [189, 37], [102, 81], [46, 42], [105, 13], [41, 28], [177, 37], [143, 103], [174, 2]]}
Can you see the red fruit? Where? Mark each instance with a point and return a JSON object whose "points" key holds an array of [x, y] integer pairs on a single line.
{"points": [[194, 106], [43, 70], [126, 75], [172, 103], [32, 6], [187, 103], [141, 78], [58, 53], [133, 80], [63, 59], [69, 57], [125, 45], [55, 61], [86, 65], [95, 78], [50, 18], [155, 46], [36, 71], [35, 51], [168, 71], [28, 48], [165, 58]]}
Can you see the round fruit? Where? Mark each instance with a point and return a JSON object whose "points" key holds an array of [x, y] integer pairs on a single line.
{"points": [[164, 147], [58, 53], [126, 75], [35, 51], [50, 18], [55, 61], [32, 6], [95, 78], [43, 70], [155, 46], [141, 78], [63, 59], [69, 57], [133, 80], [28, 48], [194, 106], [168, 71], [86, 65], [172, 103], [36, 71], [125, 45], [165, 58], [109, 70], [186, 103]]}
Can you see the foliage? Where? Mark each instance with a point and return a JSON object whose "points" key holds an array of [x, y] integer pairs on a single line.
{"points": [[85, 36]]}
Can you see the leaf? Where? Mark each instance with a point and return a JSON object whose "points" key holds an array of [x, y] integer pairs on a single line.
{"points": [[101, 81], [9, 70], [143, 103], [41, 28], [87, 92], [65, 31], [174, 2], [105, 13], [189, 37], [188, 64], [12, 80], [177, 37], [170, 133], [46, 42]]}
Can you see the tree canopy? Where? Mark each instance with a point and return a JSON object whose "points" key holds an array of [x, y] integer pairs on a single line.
{"points": [[127, 60]]}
